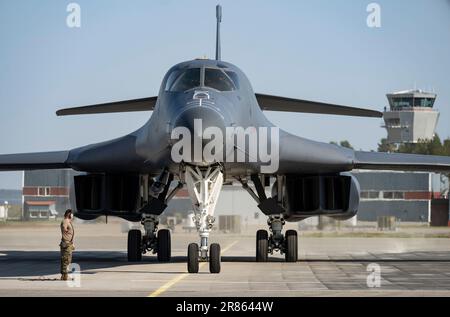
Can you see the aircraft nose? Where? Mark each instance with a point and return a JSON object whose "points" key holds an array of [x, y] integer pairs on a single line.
{"points": [[198, 119], [195, 122]]}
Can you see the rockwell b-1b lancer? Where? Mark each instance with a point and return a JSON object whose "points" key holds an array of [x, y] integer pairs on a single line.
{"points": [[207, 129]]}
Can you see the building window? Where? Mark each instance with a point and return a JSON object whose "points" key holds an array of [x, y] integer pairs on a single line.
{"points": [[374, 195], [388, 195], [424, 102], [394, 195], [402, 102], [399, 195], [43, 191], [392, 123], [370, 195]]}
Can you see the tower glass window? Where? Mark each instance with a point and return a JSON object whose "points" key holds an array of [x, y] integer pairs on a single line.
{"points": [[400, 102], [424, 102]]}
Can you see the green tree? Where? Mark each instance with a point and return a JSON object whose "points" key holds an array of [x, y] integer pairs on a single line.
{"points": [[344, 143], [446, 147], [384, 146], [427, 147]]}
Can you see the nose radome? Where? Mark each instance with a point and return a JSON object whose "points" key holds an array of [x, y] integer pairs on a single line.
{"points": [[197, 119]]}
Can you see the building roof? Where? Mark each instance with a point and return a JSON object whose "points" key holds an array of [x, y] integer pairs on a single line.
{"points": [[416, 93]]}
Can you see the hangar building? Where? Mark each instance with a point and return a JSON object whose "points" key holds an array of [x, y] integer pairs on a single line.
{"points": [[409, 196]]}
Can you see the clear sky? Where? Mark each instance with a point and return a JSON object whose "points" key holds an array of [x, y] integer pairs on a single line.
{"points": [[319, 50]]}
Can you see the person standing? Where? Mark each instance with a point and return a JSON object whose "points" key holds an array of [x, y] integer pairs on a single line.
{"points": [[66, 245]]}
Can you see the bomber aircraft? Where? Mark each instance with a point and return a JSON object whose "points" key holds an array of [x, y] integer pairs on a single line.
{"points": [[208, 129]]}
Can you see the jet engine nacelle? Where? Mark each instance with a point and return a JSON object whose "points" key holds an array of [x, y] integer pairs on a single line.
{"points": [[335, 196], [107, 194]]}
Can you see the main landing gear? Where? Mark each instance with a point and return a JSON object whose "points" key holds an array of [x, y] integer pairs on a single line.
{"points": [[286, 244], [277, 242], [158, 242], [204, 185], [157, 196]]}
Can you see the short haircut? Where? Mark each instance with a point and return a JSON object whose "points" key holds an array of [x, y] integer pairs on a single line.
{"points": [[67, 213]]}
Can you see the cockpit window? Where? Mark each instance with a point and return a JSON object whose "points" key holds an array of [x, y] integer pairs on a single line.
{"points": [[234, 77], [169, 82], [217, 79], [187, 80]]}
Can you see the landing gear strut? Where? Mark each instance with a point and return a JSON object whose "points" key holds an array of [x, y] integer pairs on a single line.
{"points": [[158, 242], [277, 242], [204, 187]]}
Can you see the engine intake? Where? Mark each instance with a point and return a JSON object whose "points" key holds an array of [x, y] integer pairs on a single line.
{"points": [[336, 196], [106, 194]]}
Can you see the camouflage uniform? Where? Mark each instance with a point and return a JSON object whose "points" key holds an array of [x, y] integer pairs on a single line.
{"points": [[66, 245]]}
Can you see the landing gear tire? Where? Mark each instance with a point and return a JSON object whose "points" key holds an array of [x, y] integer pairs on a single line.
{"points": [[262, 246], [134, 249], [192, 258], [164, 245], [291, 251], [214, 258]]}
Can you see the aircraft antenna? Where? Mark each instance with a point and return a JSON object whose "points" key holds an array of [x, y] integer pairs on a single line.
{"points": [[219, 19]]}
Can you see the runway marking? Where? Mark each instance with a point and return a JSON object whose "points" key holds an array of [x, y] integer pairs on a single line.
{"points": [[223, 282], [182, 276]]}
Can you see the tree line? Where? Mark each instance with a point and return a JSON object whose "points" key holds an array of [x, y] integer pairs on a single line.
{"points": [[427, 147], [436, 146]]}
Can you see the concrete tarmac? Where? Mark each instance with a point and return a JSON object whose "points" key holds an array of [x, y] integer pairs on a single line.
{"points": [[29, 265]]}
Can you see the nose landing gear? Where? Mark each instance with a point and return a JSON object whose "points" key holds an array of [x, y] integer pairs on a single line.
{"points": [[204, 187]]}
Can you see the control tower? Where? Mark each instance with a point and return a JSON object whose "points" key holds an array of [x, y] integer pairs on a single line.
{"points": [[411, 116]]}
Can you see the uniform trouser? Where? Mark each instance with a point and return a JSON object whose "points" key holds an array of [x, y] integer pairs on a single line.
{"points": [[66, 258]]}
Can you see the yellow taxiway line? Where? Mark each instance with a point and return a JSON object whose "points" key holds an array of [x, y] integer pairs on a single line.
{"points": [[180, 277]]}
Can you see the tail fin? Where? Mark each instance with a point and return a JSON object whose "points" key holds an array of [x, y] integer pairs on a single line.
{"points": [[219, 19]]}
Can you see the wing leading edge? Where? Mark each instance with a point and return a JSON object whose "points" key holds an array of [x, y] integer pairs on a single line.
{"points": [[266, 102], [275, 103], [143, 104], [34, 161], [401, 162], [362, 160]]}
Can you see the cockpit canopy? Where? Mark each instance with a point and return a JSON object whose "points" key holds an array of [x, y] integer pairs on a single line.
{"points": [[206, 77]]}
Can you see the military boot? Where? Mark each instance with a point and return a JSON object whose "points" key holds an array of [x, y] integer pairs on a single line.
{"points": [[64, 277]]}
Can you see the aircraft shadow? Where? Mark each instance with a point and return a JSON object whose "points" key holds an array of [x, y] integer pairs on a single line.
{"points": [[38, 264]]}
